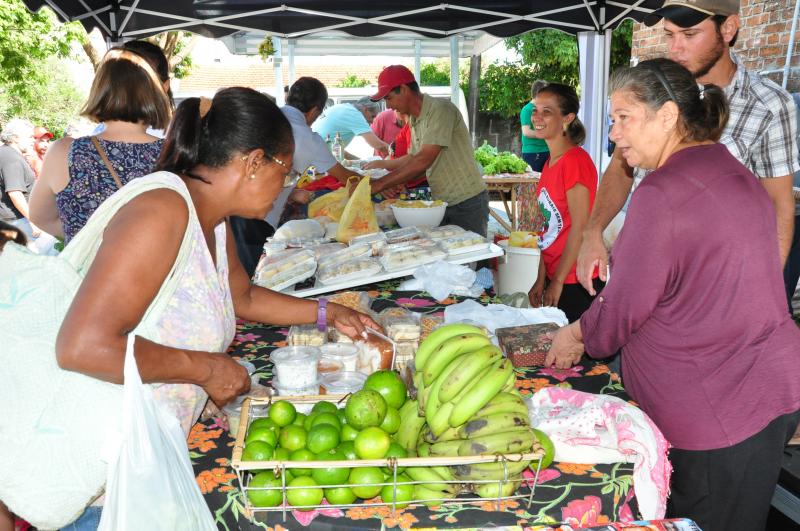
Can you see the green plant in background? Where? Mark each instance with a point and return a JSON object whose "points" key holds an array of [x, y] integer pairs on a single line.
{"points": [[352, 81], [437, 74], [505, 87]]}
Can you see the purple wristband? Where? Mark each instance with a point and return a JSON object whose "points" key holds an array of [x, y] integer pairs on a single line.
{"points": [[322, 314]]}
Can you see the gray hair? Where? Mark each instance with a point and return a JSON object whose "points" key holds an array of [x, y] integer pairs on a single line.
{"points": [[366, 104], [15, 128]]}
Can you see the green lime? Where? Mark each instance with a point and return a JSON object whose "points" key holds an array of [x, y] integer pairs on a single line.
{"points": [[348, 433], [330, 476], [340, 495], [327, 418], [389, 385], [258, 451], [372, 443], [265, 423], [324, 407], [308, 420], [262, 433], [282, 412], [395, 450], [342, 416], [281, 454], [365, 481], [322, 437], [547, 446], [391, 422], [292, 437], [348, 449], [312, 495], [405, 493], [365, 408], [299, 419], [301, 455], [265, 498]]}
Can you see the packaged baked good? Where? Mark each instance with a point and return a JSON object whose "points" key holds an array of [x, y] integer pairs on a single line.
{"points": [[467, 242], [400, 326], [335, 337], [345, 254], [285, 269], [338, 272], [325, 249], [375, 353], [405, 234], [428, 323], [306, 335], [355, 300], [405, 256], [527, 345], [445, 231], [376, 240]]}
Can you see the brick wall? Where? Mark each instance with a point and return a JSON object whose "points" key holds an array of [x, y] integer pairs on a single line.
{"points": [[762, 43]]}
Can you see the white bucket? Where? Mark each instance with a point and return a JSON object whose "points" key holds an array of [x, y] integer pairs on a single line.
{"points": [[517, 269]]}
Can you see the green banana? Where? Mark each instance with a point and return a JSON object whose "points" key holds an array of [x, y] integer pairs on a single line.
{"points": [[449, 350], [504, 397], [419, 384], [446, 448], [411, 425], [423, 449], [480, 426], [439, 336], [511, 383], [439, 423], [430, 479], [495, 470], [433, 401], [517, 440], [467, 367], [497, 489], [516, 408], [449, 435], [445, 472], [484, 388], [432, 498]]}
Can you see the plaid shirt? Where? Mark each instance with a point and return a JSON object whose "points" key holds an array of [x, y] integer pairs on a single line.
{"points": [[762, 127]]}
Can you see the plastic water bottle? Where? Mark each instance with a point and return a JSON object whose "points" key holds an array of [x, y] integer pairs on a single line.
{"points": [[338, 149]]}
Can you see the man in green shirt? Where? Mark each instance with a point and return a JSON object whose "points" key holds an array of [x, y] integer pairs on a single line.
{"points": [[440, 148], [534, 150]]}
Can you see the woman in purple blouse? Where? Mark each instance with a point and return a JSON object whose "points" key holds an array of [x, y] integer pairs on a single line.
{"points": [[696, 303]]}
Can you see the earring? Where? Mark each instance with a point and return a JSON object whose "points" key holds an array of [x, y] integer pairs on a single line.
{"points": [[252, 176], [564, 130]]}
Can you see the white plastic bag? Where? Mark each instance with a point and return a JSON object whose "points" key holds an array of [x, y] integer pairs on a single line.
{"points": [[441, 278], [151, 484], [495, 316]]}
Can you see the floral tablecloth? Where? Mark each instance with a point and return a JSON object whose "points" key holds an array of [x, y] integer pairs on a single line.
{"points": [[577, 495]]}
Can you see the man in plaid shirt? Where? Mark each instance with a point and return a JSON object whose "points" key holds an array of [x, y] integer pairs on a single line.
{"points": [[761, 130]]}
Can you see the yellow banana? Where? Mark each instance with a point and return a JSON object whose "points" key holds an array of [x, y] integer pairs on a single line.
{"points": [[486, 386], [467, 367], [480, 426], [439, 336], [450, 350], [517, 440]]}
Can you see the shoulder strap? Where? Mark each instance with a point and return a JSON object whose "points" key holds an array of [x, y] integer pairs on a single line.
{"points": [[103, 156]]}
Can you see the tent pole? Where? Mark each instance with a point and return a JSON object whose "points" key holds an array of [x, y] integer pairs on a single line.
{"points": [[454, 69], [790, 49], [594, 56], [417, 59], [277, 63], [291, 44]]}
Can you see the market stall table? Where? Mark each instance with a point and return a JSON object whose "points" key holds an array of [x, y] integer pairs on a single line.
{"points": [[506, 184], [566, 492]]}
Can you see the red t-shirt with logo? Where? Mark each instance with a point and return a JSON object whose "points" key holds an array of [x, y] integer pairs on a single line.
{"points": [[574, 167]]}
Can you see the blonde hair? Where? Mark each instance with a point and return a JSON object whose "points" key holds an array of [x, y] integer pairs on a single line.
{"points": [[126, 88]]}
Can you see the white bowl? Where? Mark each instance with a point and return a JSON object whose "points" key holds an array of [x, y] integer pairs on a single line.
{"points": [[419, 217]]}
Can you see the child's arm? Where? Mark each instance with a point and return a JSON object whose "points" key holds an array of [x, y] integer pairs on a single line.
{"points": [[578, 205]]}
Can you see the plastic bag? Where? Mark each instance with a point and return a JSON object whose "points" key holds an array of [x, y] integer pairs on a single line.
{"points": [[441, 278], [495, 316], [302, 229], [330, 205], [359, 215], [151, 484]]}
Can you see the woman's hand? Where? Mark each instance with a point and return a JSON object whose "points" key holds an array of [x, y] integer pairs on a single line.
{"points": [[553, 293], [536, 293], [350, 322], [226, 379], [567, 348]]}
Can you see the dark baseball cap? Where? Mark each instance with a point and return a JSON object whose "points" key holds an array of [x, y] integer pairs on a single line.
{"points": [[688, 13]]}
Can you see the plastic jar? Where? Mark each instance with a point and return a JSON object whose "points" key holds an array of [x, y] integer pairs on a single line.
{"points": [[233, 411], [345, 353], [329, 366], [343, 382], [293, 390], [296, 366]]}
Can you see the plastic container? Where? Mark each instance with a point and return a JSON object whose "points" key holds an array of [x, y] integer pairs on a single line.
{"points": [[404, 327], [329, 366], [349, 270], [377, 241], [517, 269], [384, 214], [326, 249], [296, 366], [233, 412], [343, 382], [467, 242], [428, 216], [285, 269], [406, 234], [346, 354], [345, 254], [445, 231], [410, 256], [306, 335], [293, 390]]}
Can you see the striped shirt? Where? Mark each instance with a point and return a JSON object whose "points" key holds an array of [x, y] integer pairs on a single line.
{"points": [[762, 127]]}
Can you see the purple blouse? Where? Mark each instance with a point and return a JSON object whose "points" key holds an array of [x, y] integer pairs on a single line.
{"points": [[696, 302]]}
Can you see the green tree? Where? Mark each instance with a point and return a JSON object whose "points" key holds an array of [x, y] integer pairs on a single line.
{"points": [[352, 81], [504, 87]]}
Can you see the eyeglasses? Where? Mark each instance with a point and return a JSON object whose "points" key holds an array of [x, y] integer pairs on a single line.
{"points": [[290, 178]]}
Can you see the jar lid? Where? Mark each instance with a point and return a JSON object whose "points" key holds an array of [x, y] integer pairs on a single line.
{"points": [[296, 355], [349, 379], [339, 350]]}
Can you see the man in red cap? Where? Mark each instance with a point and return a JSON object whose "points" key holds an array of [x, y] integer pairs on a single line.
{"points": [[441, 149], [761, 130], [41, 141]]}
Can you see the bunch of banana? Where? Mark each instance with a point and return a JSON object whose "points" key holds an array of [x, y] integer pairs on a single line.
{"points": [[433, 487], [411, 425]]}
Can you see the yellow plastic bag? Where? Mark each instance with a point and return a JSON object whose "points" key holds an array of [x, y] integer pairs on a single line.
{"points": [[523, 239], [330, 205], [359, 214]]}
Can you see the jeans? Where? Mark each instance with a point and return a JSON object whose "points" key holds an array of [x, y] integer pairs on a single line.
{"points": [[536, 160], [88, 521], [44, 244], [791, 273]]}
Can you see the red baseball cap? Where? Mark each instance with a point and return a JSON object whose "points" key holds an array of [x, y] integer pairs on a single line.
{"points": [[390, 78], [41, 132]]}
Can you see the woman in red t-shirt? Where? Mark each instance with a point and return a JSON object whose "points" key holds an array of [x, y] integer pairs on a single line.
{"points": [[565, 195]]}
